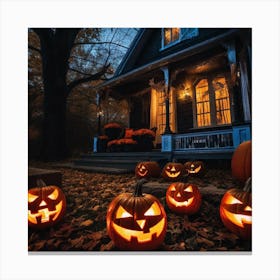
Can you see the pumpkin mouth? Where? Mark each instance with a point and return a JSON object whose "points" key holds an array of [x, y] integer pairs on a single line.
{"points": [[238, 219], [196, 170], [142, 172], [181, 203], [173, 174], [45, 214], [141, 237]]}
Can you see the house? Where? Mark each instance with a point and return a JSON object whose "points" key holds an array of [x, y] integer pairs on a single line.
{"points": [[192, 84]]}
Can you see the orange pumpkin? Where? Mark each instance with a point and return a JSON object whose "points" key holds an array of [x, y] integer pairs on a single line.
{"points": [[194, 168], [241, 162], [136, 221], [147, 169], [46, 206], [173, 171], [236, 211], [183, 198]]}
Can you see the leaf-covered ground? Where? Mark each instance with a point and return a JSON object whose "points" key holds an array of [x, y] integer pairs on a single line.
{"points": [[88, 195]]}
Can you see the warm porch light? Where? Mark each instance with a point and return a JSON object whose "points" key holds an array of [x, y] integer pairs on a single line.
{"points": [[100, 113]]}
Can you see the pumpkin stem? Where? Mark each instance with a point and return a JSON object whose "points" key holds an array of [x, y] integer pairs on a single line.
{"points": [[40, 183], [138, 187], [248, 185]]}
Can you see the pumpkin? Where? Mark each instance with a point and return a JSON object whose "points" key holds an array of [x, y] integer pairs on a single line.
{"points": [[241, 162], [183, 198], [46, 206], [136, 221], [173, 171], [236, 211], [147, 169], [194, 168]]}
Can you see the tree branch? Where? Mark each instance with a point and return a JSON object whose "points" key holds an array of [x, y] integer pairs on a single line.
{"points": [[82, 73], [93, 77], [100, 43]]}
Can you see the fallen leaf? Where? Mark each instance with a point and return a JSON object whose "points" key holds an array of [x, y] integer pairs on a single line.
{"points": [[86, 223]]}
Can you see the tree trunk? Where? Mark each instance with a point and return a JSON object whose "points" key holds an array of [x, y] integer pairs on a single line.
{"points": [[56, 48]]}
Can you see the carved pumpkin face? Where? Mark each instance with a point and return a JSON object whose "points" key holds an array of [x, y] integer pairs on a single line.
{"points": [[136, 222], [236, 212], [147, 169], [46, 206], [183, 198], [194, 168], [173, 171]]}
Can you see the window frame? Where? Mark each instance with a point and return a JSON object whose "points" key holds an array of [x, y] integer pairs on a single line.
{"points": [[172, 43], [212, 101]]}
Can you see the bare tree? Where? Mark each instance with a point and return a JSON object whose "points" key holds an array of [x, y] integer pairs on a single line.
{"points": [[72, 59]]}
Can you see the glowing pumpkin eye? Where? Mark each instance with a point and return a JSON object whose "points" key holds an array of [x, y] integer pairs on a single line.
{"points": [[173, 189], [233, 200], [122, 213], [53, 195], [153, 210], [32, 197], [248, 208], [188, 189]]}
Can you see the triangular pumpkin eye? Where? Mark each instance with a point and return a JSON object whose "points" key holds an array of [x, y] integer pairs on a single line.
{"points": [[248, 208], [153, 210], [122, 213], [53, 195], [188, 189], [233, 200], [32, 197], [173, 189]]}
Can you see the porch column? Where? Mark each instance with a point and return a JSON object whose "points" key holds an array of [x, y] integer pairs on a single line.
{"points": [[245, 89], [167, 101]]}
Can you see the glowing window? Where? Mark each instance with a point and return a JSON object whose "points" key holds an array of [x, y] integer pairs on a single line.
{"points": [[171, 35], [202, 104], [222, 101], [212, 102]]}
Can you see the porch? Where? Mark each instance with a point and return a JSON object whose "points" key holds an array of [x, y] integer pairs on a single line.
{"points": [[209, 146]]}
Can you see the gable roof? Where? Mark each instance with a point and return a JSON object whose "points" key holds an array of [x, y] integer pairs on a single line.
{"points": [[145, 53]]}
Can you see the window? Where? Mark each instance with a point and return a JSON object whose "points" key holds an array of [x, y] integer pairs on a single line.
{"points": [[212, 102], [202, 104], [170, 35]]}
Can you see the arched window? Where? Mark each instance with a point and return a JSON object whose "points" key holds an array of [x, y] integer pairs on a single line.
{"points": [[212, 102]]}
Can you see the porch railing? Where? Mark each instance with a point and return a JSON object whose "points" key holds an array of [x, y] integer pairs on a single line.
{"points": [[208, 140]]}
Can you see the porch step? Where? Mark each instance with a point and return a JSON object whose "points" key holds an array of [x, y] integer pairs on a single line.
{"points": [[116, 163]]}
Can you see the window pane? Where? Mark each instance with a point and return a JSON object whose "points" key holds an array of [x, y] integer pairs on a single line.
{"points": [[203, 104], [167, 36], [222, 101], [171, 35], [175, 34]]}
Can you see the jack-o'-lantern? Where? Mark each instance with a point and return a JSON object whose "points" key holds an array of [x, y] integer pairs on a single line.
{"points": [[241, 162], [236, 211], [136, 221], [173, 171], [46, 206], [194, 168], [147, 169], [183, 198]]}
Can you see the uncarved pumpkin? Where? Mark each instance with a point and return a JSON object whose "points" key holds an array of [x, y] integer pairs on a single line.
{"points": [[241, 162], [236, 211], [46, 206], [136, 221]]}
